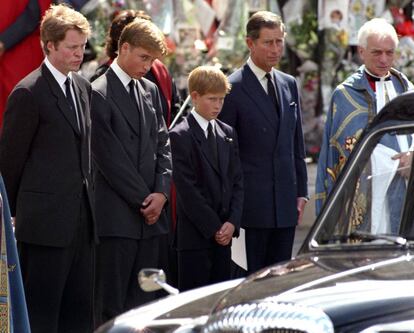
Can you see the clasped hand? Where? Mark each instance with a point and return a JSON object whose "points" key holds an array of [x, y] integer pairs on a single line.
{"points": [[152, 207], [225, 234]]}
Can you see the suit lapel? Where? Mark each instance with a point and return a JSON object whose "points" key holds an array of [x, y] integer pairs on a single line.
{"points": [[282, 90], [223, 147], [122, 100], [200, 137], [147, 115], [62, 103], [253, 88], [81, 102]]}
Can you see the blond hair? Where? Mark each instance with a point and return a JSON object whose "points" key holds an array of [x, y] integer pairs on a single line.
{"points": [[143, 33], [208, 80], [57, 20]]}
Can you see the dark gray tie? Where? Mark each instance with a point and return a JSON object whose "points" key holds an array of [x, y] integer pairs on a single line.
{"points": [[132, 85], [271, 91], [212, 143], [71, 100]]}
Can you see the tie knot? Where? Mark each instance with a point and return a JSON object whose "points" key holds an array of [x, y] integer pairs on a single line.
{"points": [[268, 76], [131, 84], [68, 81]]}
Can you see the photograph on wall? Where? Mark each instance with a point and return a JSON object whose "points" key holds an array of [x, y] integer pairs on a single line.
{"points": [[333, 14]]}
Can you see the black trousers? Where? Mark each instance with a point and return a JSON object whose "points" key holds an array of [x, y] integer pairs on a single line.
{"points": [[265, 247], [59, 282], [119, 261], [201, 267]]}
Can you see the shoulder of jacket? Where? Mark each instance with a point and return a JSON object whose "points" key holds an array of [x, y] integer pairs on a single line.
{"points": [[147, 84], [80, 79], [285, 76], [100, 85], [225, 127]]}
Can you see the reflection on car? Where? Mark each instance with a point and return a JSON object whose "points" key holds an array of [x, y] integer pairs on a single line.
{"points": [[354, 271]]}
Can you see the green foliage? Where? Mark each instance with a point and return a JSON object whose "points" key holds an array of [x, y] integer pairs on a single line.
{"points": [[303, 35]]}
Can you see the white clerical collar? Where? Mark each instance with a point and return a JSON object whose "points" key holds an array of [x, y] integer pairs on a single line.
{"points": [[203, 122], [378, 78], [122, 75]]}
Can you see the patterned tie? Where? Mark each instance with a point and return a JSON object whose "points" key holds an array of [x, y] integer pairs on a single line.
{"points": [[212, 143], [272, 92], [71, 101]]}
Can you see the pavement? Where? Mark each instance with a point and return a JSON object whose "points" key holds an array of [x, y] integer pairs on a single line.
{"points": [[309, 214]]}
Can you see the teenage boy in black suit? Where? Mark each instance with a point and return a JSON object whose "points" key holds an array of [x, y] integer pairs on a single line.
{"points": [[208, 178], [132, 153]]}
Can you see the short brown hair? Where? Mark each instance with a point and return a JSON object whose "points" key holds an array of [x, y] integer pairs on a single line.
{"points": [[208, 80], [120, 21], [57, 20], [263, 19], [143, 33]]}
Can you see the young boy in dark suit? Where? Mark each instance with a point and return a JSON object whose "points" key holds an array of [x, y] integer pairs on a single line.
{"points": [[208, 178]]}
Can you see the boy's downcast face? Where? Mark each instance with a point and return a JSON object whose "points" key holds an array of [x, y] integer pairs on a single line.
{"points": [[136, 61], [208, 105]]}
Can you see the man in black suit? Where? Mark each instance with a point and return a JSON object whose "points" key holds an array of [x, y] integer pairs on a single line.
{"points": [[208, 179], [131, 149], [45, 161], [264, 108]]}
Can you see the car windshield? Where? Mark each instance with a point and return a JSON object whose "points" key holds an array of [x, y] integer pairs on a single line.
{"points": [[368, 203]]}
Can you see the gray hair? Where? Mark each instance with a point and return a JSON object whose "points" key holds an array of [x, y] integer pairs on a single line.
{"points": [[377, 27]]}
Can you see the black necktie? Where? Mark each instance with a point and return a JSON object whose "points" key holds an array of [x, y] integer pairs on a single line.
{"points": [[131, 85], [71, 101], [272, 92], [212, 143]]}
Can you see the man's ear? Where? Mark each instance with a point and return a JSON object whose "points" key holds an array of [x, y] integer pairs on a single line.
{"points": [[361, 52], [194, 96], [249, 42], [125, 47], [51, 46]]}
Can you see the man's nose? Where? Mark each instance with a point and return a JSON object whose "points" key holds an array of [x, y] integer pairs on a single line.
{"points": [[384, 57], [274, 47], [79, 52]]}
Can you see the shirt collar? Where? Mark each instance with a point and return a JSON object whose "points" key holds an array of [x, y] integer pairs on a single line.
{"points": [[375, 77], [202, 121], [258, 72], [122, 75], [59, 76]]}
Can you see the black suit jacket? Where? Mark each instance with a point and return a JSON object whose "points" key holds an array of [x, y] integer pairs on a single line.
{"points": [[132, 156], [44, 159], [207, 195]]}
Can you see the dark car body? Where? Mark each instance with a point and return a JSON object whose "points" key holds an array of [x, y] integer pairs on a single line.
{"points": [[351, 274]]}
